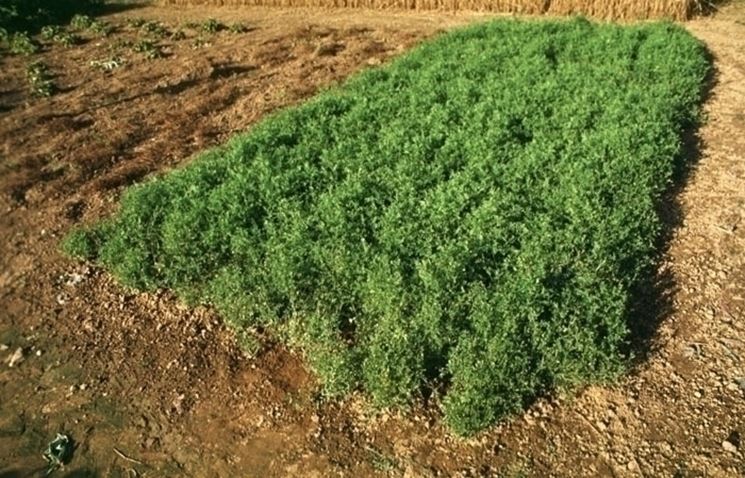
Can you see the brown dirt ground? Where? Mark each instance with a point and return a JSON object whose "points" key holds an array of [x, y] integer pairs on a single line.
{"points": [[149, 387]]}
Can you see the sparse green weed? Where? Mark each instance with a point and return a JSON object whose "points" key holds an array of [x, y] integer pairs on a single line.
{"points": [[22, 44], [50, 31], [147, 48], [155, 29], [81, 22], [58, 35], [67, 39], [40, 79], [101, 28], [211, 26]]}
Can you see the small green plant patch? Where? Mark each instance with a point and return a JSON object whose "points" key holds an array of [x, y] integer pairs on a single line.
{"points": [[155, 29], [211, 26], [20, 43], [472, 217], [57, 34], [148, 49], [81, 22], [101, 28], [48, 32], [40, 80]]}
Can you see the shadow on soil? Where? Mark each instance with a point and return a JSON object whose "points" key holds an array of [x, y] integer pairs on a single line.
{"points": [[111, 7], [41, 472], [653, 299]]}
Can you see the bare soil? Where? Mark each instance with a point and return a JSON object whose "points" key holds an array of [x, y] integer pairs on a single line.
{"points": [[147, 386]]}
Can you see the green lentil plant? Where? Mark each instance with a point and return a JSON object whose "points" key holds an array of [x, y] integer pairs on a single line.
{"points": [[148, 49], [101, 28], [67, 39], [474, 216], [155, 29], [40, 80], [20, 43], [211, 26], [81, 22], [50, 31]]}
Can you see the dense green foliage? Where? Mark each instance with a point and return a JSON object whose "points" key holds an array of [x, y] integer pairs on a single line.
{"points": [[20, 15], [474, 215]]}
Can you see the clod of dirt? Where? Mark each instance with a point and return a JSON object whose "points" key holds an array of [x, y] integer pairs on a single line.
{"points": [[741, 383], [4, 347], [62, 298], [692, 351], [74, 279], [329, 49], [178, 404], [16, 358], [729, 446], [12, 424]]}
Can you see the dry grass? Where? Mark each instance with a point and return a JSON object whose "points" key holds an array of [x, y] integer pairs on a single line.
{"points": [[605, 9], [625, 9]]}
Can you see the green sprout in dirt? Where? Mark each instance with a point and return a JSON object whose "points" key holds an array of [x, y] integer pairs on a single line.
{"points": [[211, 26], [237, 28], [22, 44], [101, 28], [67, 39], [147, 48], [136, 22], [58, 35], [4, 35], [50, 31], [475, 216], [40, 80], [81, 22], [155, 29]]}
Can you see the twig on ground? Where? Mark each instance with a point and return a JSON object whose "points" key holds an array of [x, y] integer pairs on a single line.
{"points": [[126, 457]]}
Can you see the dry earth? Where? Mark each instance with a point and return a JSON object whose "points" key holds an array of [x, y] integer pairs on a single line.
{"points": [[149, 387]]}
